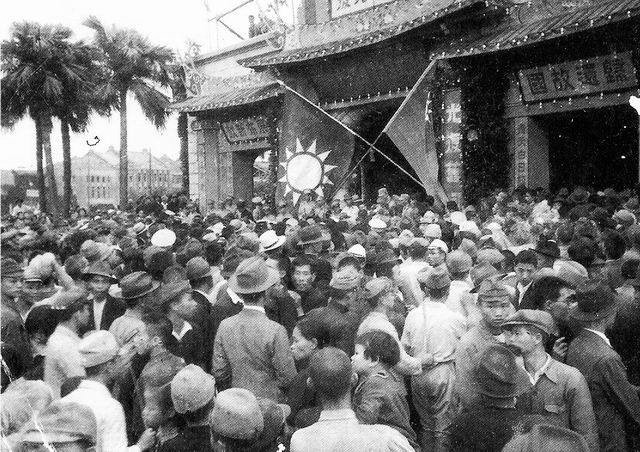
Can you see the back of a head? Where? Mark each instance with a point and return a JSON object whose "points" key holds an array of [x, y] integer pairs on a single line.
{"points": [[330, 372]]}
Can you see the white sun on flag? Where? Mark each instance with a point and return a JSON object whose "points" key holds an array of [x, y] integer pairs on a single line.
{"points": [[305, 169]]}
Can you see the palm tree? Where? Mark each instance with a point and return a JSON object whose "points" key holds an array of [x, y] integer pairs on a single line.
{"points": [[80, 98], [179, 92], [35, 72], [135, 66]]}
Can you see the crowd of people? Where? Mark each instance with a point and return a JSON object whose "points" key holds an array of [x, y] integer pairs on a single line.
{"points": [[328, 325]]}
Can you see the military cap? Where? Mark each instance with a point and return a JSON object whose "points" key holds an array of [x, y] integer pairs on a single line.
{"points": [[432, 230], [435, 278], [376, 286], [492, 289], [163, 238], [489, 256], [459, 262], [237, 415], [497, 372], [192, 388]]}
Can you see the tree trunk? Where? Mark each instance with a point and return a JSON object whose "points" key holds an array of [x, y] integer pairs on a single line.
{"points": [[50, 173], [124, 175], [183, 133], [66, 163], [42, 186]]}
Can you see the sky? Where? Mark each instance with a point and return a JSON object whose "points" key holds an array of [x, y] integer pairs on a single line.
{"points": [[170, 23]]}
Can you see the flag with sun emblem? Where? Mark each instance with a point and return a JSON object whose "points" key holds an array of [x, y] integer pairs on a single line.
{"points": [[317, 153]]}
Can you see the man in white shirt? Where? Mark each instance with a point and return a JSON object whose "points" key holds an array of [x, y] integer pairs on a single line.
{"points": [[99, 352], [431, 332], [406, 274], [62, 359]]}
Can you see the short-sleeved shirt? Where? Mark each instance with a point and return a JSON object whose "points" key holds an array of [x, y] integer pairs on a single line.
{"points": [[62, 358]]}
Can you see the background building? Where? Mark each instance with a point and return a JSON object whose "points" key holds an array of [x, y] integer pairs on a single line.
{"points": [[18, 184], [95, 176]]}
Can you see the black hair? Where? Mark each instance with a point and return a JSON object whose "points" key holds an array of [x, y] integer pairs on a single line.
{"points": [[330, 372], [302, 260], [543, 289], [311, 329], [380, 346], [41, 319], [614, 245], [527, 257], [213, 253], [158, 325]]}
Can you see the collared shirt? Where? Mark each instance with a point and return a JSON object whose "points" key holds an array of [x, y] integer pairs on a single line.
{"points": [[206, 295], [98, 309], [186, 327], [112, 434], [521, 291], [62, 358], [406, 276], [254, 308], [601, 334], [457, 290], [533, 378], [235, 299], [433, 328], [339, 431]]}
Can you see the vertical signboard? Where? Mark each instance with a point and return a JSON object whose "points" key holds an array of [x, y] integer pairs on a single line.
{"points": [[452, 151], [521, 137]]}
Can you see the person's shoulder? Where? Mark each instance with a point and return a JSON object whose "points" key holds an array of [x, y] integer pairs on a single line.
{"points": [[387, 436]]}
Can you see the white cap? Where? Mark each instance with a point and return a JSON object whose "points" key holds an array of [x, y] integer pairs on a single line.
{"points": [[210, 237], [377, 223], [98, 347], [358, 251], [269, 240], [493, 227], [470, 226], [428, 217], [432, 230], [437, 243], [292, 222], [163, 238], [458, 217]]}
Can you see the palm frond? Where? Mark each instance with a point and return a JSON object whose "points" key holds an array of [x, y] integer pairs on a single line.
{"points": [[152, 102]]}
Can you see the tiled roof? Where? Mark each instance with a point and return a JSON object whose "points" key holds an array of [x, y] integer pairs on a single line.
{"points": [[229, 92], [539, 28], [358, 30]]}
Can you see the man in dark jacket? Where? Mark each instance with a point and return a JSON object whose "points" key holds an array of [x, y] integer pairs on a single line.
{"points": [[104, 308], [615, 400]]}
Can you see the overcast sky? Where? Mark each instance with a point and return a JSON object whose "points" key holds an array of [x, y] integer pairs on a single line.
{"points": [[170, 23]]}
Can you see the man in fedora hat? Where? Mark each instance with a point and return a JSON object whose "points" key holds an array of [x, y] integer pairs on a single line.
{"points": [[105, 308], [62, 358], [251, 351], [615, 400], [312, 239], [558, 391], [490, 424], [137, 290]]}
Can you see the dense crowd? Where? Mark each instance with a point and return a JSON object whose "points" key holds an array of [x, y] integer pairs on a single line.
{"points": [[512, 324]]}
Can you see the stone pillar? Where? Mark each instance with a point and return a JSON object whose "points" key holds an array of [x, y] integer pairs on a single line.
{"points": [[529, 142], [206, 161]]}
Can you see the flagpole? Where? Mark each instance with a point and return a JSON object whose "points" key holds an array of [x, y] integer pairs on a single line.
{"points": [[351, 131]]}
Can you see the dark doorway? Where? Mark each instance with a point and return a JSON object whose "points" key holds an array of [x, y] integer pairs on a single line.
{"points": [[596, 147], [376, 171]]}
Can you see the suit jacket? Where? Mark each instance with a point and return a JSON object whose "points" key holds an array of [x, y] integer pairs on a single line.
{"points": [[253, 352], [113, 309], [615, 401]]}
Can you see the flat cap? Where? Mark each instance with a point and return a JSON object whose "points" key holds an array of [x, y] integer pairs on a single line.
{"points": [[97, 348], [571, 272], [192, 388], [377, 223], [533, 317], [376, 286], [489, 256], [198, 268], [439, 244], [459, 262]]}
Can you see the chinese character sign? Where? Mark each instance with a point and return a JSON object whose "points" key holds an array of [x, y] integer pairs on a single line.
{"points": [[521, 137], [344, 7], [575, 78], [451, 161]]}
